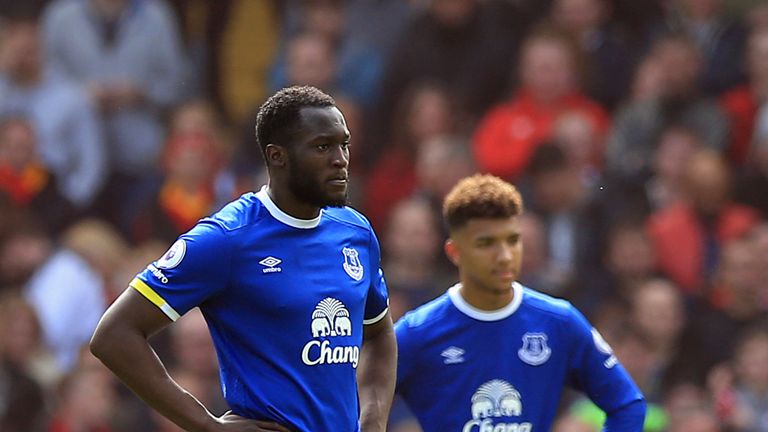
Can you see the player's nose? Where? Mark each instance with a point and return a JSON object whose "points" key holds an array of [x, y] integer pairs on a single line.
{"points": [[339, 157]]}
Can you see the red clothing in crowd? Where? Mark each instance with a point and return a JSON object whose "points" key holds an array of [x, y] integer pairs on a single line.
{"points": [[741, 106], [508, 134], [392, 180], [678, 234]]}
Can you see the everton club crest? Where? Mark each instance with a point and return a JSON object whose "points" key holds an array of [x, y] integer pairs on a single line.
{"points": [[352, 263], [535, 350]]}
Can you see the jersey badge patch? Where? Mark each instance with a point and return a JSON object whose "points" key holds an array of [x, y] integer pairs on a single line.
{"points": [[352, 264], [535, 350], [173, 257]]}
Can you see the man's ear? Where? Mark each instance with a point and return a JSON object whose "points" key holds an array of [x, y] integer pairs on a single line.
{"points": [[276, 155], [452, 252]]}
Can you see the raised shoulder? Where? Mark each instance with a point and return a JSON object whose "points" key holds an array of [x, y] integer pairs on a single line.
{"points": [[348, 216], [548, 304], [427, 314], [244, 211]]}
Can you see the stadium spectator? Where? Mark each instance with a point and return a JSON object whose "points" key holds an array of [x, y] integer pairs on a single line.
{"points": [[719, 38], [87, 402], [538, 270], [606, 53], [743, 102], [426, 111], [89, 251], [753, 178], [440, 163], [22, 346], [583, 145], [739, 386], [352, 67], [467, 46], [627, 262], [127, 55], [22, 251], [22, 400], [571, 219], [676, 99], [411, 255], [658, 316], [69, 136], [508, 134], [25, 180], [736, 302], [675, 147], [688, 236]]}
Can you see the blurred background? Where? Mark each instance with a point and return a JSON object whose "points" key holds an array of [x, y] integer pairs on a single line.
{"points": [[637, 131]]}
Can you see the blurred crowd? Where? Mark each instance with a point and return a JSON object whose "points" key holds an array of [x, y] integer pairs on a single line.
{"points": [[637, 132]]}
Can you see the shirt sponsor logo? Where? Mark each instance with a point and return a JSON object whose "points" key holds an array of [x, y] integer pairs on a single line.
{"points": [[535, 351], [492, 401], [330, 319]]}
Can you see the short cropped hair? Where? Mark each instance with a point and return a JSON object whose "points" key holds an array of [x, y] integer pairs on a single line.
{"points": [[480, 196], [279, 115]]}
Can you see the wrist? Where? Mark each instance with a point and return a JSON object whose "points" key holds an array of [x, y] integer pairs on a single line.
{"points": [[210, 424]]}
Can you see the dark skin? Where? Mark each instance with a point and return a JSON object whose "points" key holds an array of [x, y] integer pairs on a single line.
{"points": [[320, 154]]}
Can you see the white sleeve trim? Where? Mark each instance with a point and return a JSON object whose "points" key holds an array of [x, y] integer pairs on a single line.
{"points": [[377, 318]]}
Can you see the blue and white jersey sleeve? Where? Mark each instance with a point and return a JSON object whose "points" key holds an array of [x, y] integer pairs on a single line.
{"points": [[596, 371], [195, 268], [377, 302]]}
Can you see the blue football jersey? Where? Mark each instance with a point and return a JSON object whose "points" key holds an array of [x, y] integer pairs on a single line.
{"points": [[285, 300], [465, 370]]}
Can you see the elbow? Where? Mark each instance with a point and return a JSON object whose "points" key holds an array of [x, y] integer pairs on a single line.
{"points": [[105, 341], [99, 343]]}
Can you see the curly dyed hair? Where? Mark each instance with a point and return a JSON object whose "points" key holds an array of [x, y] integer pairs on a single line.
{"points": [[480, 196], [278, 117]]}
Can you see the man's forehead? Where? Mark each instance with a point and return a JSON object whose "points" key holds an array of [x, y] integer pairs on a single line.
{"points": [[491, 226], [329, 116]]}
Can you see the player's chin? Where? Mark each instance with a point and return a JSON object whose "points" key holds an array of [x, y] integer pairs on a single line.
{"points": [[503, 284], [336, 198]]}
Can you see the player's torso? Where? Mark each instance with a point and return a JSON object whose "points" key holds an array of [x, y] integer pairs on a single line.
{"points": [[297, 298], [501, 376], [307, 286]]}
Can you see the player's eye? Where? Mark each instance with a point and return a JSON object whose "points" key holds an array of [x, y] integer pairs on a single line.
{"points": [[322, 147], [483, 242]]}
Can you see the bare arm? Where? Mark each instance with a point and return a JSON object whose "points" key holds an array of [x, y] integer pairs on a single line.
{"points": [[376, 374], [120, 342]]}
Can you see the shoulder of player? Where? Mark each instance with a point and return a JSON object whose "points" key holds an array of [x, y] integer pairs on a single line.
{"points": [[547, 304], [426, 315], [238, 214], [347, 216]]}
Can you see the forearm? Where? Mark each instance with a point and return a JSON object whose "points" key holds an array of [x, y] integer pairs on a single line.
{"points": [[129, 356], [629, 418], [376, 379]]}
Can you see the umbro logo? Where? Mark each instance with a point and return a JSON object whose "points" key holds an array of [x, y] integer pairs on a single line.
{"points": [[270, 264], [453, 355]]}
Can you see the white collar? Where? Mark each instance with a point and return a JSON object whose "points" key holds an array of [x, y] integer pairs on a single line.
{"points": [[499, 314], [284, 217]]}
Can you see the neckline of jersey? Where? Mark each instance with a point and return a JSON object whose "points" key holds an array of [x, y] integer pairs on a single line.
{"points": [[482, 315], [284, 217]]}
